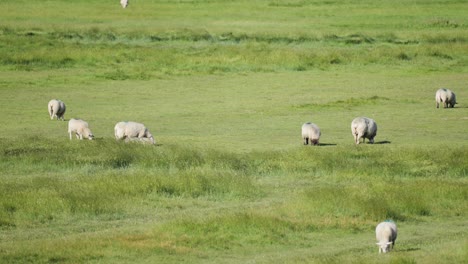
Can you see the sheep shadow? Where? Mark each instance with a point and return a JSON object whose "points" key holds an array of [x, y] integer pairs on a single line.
{"points": [[320, 145], [409, 249], [326, 144], [382, 142]]}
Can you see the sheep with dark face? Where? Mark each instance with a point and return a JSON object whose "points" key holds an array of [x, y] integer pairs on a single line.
{"points": [[80, 128], [310, 132], [132, 130], [124, 3], [56, 109], [386, 234], [446, 97], [363, 127]]}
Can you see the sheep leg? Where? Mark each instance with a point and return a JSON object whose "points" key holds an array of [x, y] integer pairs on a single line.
{"points": [[306, 141], [70, 133], [51, 112]]}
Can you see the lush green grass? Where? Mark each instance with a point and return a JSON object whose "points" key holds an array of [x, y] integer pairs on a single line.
{"points": [[107, 201], [155, 39], [224, 86]]}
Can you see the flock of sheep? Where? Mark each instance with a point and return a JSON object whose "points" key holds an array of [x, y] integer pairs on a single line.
{"points": [[128, 131], [361, 127]]}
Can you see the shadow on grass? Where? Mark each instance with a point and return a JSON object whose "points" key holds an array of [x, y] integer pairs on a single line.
{"points": [[326, 144], [409, 249], [320, 145], [98, 138], [383, 142]]}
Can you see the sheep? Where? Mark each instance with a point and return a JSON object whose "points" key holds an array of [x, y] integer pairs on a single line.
{"points": [[310, 132], [363, 127], [80, 128], [130, 130], [386, 234], [56, 109], [124, 3], [445, 96]]}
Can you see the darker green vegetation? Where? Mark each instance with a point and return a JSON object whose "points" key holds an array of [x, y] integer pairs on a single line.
{"points": [[234, 201], [145, 55], [47, 180], [345, 104]]}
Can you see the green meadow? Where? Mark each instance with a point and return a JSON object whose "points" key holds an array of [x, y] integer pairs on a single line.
{"points": [[224, 87]]}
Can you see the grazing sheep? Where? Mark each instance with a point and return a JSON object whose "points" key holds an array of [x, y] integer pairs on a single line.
{"points": [[445, 96], [80, 128], [386, 234], [57, 109], [363, 127], [310, 132], [131, 130], [124, 3]]}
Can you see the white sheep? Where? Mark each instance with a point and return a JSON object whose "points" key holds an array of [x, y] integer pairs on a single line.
{"points": [[310, 132], [124, 3], [80, 128], [445, 96], [56, 109], [363, 127], [386, 233], [131, 130]]}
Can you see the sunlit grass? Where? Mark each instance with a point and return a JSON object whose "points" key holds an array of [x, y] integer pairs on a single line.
{"points": [[224, 87], [148, 55]]}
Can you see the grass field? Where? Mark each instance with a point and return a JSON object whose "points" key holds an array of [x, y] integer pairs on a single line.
{"points": [[224, 86]]}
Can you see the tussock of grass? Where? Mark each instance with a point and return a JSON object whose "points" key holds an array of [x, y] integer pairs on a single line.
{"points": [[397, 200], [349, 103], [443, 22], [98, 178], [232, 231], [137, 56]]}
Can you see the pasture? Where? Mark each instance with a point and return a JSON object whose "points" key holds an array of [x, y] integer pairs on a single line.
{"points": [[224, 87]]}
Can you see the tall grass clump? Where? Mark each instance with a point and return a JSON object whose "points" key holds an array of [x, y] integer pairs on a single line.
{"points": [[100, 179], [398, 200], [89, 177], [231, 231], [260, 199], [111, 54]]}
